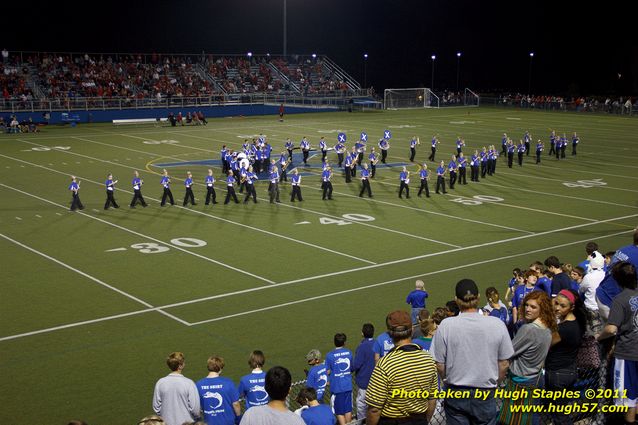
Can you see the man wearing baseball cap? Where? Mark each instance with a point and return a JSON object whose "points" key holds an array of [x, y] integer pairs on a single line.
{"points": [[471, 352], [402, 388]]}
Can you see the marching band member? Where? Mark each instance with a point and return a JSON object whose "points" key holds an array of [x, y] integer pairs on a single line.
{"points": [[374, 159], [74, 187], [289, 145], [563, 146], [354, 156], [552, 142], [504, 140], [305, 149], [459, 145], [452, 168], [424, 174], [210, 188], [250, 186], [296, 186], [575, 141], [510, 153], [137, 190], [223, 153], [283, 161], [413, 143], [360, 148], [188, 184], [520, 149], [166, 184], [365, 182], [539, 151], [474, 166], [347, 168], [384, 146], [484, 162], [273, 187], [340, 148], [242, 177], [110, 188], [494, 154], [404, 178], [462, 162], [326, 184], [324, 148], [435, 142], [230, 188], [440, 178], [527, 140]]}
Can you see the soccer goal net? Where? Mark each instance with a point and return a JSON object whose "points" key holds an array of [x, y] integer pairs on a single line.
{"points": [[410, 98]]}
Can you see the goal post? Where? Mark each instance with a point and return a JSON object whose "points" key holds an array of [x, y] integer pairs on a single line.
{"points": [[410, 98], [470, 98]]}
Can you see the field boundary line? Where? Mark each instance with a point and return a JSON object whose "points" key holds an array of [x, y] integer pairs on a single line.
{"points": [[117, 226], [94, 279]]}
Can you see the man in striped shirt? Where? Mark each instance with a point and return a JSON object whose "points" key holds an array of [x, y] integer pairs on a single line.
{"points": [[404, 383]]}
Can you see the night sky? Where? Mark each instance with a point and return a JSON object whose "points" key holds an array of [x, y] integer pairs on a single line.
{"points": [[579, 49]]}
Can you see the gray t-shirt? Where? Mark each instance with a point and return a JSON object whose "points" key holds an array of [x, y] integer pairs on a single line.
{"points": [[176, 399], [624, 315], [266, 415], [531, 345], [470, 345]]}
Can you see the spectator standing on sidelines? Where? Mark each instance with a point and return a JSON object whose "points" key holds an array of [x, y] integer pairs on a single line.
{"points": [[175, 397], [560, 280], [363, 366], [317, 378], [405, 369], [252, 387], [338, 364], [218, 395], [278, 381], [471, 352], [314, 413], [623, 324], [416, 299]]}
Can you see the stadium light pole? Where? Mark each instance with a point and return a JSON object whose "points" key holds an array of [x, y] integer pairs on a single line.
{"points": [[365, 70], [458, 69], [529, 77], [432, 85], [285, 31]]}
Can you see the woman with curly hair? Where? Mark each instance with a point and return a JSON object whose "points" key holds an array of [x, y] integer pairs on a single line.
{"points": [[531, 344]]}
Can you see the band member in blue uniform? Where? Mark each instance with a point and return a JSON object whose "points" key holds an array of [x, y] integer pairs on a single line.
{"points": [[296, 186], [483, 158], [452, 168], [230, 188], [166, 185], [539, 150], [289, 145], [110, 189], [347, 168], [188, 184], [474, 166], [504, 140], [74, 187], [305, 149], [283, 161], [250, 185], [326, 184], [413, 143], [360, 147], [324, 148], [558, 145], [210, 188], [510, 153], [563, 146], [462, 163], [491, 160], [575, 142], [404, 179], [459, 145], [365, 182], [440, 178], [424, 174], [435, 142], [273, 186], [340, 148], [527, 139], [494, 155], [552, 142], [384, 146], [223, 153], [520, 149], [354, 155], [374, 159], [137, 190]]}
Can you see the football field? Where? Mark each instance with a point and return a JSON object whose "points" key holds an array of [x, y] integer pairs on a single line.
{"points": [[91, 302]]}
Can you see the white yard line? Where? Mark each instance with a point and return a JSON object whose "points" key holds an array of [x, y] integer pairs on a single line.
{"points": [[94, 279]]}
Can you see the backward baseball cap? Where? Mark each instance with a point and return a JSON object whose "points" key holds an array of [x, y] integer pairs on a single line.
{"points": [[313, 354]]}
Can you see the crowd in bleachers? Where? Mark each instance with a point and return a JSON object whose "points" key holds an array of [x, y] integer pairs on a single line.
{"points": [[555, 314], [622, 105]]}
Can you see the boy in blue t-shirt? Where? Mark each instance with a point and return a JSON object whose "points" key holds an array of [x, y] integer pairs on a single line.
{"points": [[218, 395], [338, 363], [252, 387], [314, 413], [317, 378]]}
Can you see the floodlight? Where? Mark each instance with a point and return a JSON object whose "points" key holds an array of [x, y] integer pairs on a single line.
{"points": [[314, 55], [531, 55], [249, 54], [433, 57], [458, 54]]}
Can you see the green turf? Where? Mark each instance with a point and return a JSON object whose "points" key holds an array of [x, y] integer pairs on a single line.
{"points": [[262, 281]]}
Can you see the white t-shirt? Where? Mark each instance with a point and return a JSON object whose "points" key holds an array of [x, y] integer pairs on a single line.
{"points": [[588, 288]]}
